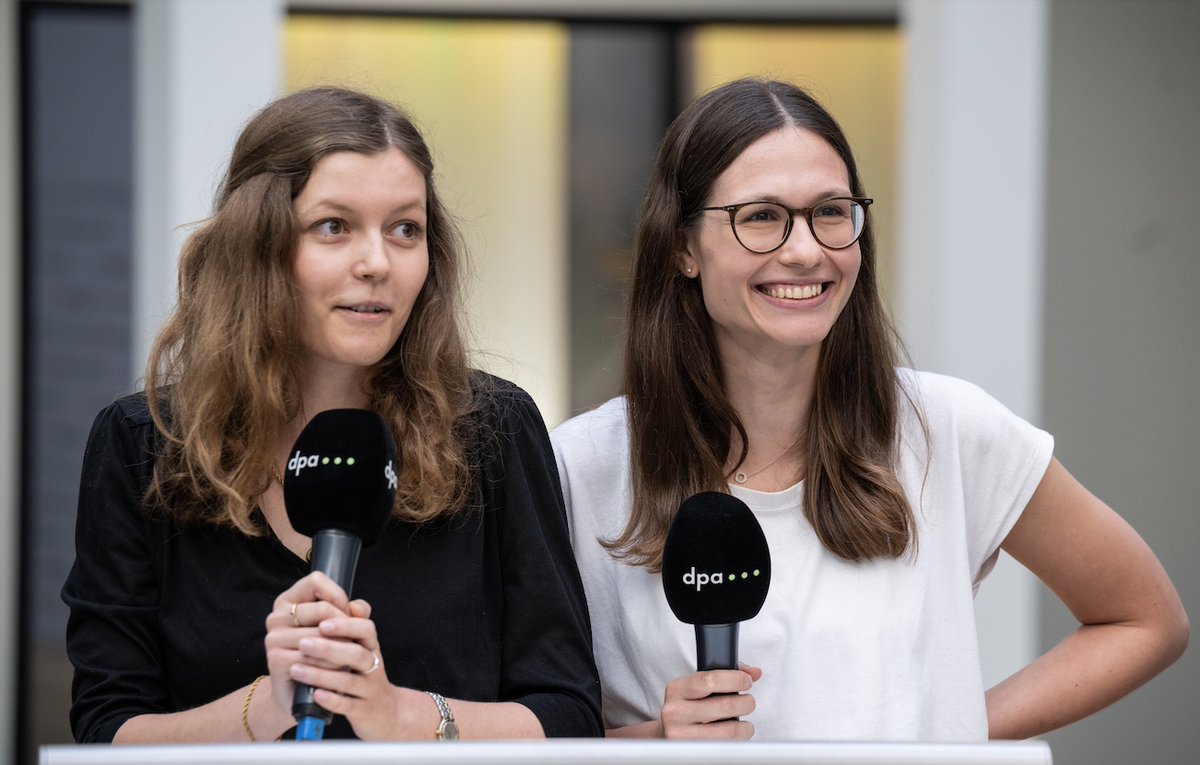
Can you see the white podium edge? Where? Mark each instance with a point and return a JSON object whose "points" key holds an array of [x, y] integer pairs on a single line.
{"points": [[573, 751]]}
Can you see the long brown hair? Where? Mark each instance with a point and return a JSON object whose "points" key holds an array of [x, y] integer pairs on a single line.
{"points": [[222, 377], [681, 421]]}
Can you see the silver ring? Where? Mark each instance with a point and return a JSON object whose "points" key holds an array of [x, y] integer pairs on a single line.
{"points": [[295, 619], [374, 666]]}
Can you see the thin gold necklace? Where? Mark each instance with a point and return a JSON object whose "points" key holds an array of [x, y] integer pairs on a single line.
{"points": [[279, 478], [742, 476]]}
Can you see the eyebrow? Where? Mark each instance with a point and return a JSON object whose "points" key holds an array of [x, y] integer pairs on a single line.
{"points": [[335, 206], [817, 197]]}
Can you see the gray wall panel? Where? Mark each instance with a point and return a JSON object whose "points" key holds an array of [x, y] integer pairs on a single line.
{"points": [[1122, 359], [78, 153]]}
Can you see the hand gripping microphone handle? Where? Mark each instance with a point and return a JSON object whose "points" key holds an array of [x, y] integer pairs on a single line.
{"points": [[717, 648], [339, 490], [716, 571], [335, 553]]}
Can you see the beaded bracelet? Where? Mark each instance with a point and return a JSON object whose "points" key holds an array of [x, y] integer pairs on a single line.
{"points": [[246, 707]]}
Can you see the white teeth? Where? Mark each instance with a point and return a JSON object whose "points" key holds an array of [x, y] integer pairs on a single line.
{"points": [[365, 309], [805, 292]]}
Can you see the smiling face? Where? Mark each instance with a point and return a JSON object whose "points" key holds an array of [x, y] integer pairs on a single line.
{"points": [[361, 260], [782, 303]]}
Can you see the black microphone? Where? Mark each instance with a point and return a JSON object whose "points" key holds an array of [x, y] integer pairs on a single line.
{"points": [[339, 489], [716, 569]]}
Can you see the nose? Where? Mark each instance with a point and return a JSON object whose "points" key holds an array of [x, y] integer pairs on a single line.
{"points": [[801, 248], [371, 260]]}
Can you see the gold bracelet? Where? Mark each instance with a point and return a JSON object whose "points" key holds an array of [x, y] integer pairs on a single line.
{"points": [[246, 706]]}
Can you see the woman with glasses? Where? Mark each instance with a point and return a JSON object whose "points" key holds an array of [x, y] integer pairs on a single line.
{"points": [[760, 362]]}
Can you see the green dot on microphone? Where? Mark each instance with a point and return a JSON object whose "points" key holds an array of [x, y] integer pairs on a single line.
{"points": [[349, 460], [337, 460], [325, 461], [745, 575], [756, 572]]}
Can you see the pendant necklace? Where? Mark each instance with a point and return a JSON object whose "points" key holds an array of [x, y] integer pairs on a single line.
{"points": [[742, 476]]}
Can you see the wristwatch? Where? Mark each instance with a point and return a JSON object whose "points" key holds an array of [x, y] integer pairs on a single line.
{"points": [[447, 729]]}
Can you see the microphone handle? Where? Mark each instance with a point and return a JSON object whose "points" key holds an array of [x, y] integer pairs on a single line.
{"points": [[335, 553], [717, 648]]}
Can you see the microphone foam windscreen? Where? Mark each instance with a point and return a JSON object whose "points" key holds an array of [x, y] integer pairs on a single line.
{"points": [[342, 475], [716, 564]]}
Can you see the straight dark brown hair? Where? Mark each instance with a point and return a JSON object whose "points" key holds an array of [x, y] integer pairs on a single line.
{"points": [[681, 422]]}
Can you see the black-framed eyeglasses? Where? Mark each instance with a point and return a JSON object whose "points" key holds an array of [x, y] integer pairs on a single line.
{"points": [[763, 227]]}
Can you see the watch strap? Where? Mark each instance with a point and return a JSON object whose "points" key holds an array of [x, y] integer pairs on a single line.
{"points": [[447, 729]]}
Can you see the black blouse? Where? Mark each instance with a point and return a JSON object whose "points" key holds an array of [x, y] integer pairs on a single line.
{"points": [[485, 606]]}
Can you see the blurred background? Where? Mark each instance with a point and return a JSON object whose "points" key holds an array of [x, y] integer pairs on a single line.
{"points": [[1032, 161]]}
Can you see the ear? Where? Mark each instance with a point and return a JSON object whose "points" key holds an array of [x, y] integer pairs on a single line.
{"points": [[685, 261]]}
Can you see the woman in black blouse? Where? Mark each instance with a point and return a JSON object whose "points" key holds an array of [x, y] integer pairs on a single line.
{"points": [[327, 277]]}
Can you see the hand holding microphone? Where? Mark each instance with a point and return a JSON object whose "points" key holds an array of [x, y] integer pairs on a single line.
{"points": [[716, 572], [339, 490]]}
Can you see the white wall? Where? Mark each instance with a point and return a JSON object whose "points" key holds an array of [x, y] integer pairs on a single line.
{"points": [[203, 67], [971, 255]]}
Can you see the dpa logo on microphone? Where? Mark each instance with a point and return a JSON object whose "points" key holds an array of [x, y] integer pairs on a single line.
{"points": [[390, 473], [299, 462], [699, 579]]}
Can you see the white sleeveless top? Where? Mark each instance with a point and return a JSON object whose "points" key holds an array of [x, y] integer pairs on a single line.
{"points": [[882, 650]]}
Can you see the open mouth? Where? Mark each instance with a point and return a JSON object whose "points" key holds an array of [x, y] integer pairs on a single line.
{"points": [[364, 308], [793, 291]]}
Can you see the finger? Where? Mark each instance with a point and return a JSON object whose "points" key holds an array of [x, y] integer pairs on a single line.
{"points": [[305, 614], [738, 730], [677, 712], [343, 704], [360, 608], [359, 630], [289, 638], [339, 654], [347, 682], [283, 658], [754, 672], [315, 663], [282, 661], [320, 677], [312, 587], [703, 684], [725, 706]]}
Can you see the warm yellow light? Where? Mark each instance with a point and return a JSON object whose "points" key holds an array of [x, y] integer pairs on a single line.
{"points": [[854, 71], [491, 100]]}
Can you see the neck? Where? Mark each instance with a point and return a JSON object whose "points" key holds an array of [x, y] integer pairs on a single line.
{"points": [[773, 395], [332, 388], [322, 389]]}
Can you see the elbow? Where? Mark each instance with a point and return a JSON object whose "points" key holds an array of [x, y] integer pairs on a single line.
{"points": [[1170, 634], [1177, 636]]}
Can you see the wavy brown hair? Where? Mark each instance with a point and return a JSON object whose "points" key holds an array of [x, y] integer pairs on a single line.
{"points": [[681, 422], [222, 376]]}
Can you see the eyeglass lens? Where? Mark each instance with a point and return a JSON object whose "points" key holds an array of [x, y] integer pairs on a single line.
{"points": [[763, 226]]}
